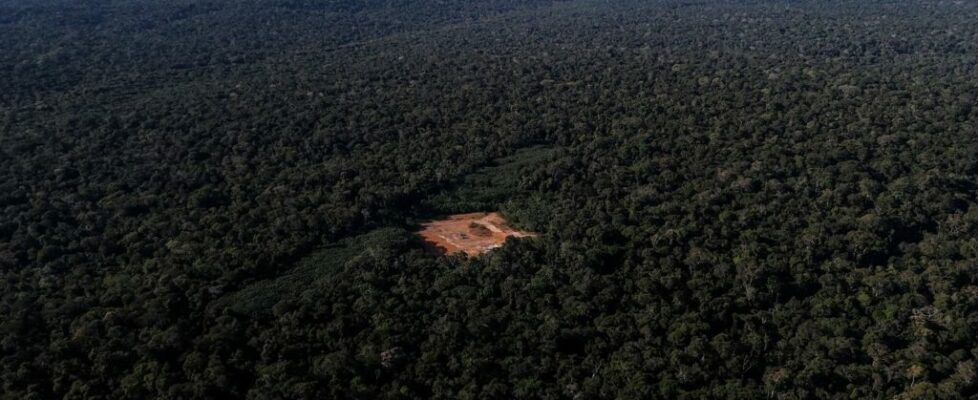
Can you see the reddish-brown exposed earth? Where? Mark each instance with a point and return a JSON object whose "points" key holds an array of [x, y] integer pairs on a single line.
{"points": [[472, 234]]}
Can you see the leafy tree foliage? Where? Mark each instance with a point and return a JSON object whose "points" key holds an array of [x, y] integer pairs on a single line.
{"points": [[735, 199]]}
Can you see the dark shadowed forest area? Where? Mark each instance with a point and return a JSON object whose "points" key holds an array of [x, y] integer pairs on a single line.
{"points": [[732, 199]]}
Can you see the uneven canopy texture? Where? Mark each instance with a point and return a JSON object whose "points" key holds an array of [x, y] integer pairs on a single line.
{"points": [[734, 199]]}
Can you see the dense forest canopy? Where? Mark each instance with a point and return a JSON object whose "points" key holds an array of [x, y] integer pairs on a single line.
{"points": [[732, 199]]}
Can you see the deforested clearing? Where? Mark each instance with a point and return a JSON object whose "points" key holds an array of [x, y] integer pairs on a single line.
{"points": [[472, 233]]}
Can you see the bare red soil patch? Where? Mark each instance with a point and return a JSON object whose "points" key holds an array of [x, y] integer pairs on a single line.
{"points": [[472, 234]]}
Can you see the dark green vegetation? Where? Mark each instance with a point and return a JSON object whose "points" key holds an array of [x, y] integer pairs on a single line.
{"points": [[735, 199]]}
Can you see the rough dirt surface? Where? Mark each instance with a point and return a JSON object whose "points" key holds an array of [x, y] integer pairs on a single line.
{"points": [[472, 234]]}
